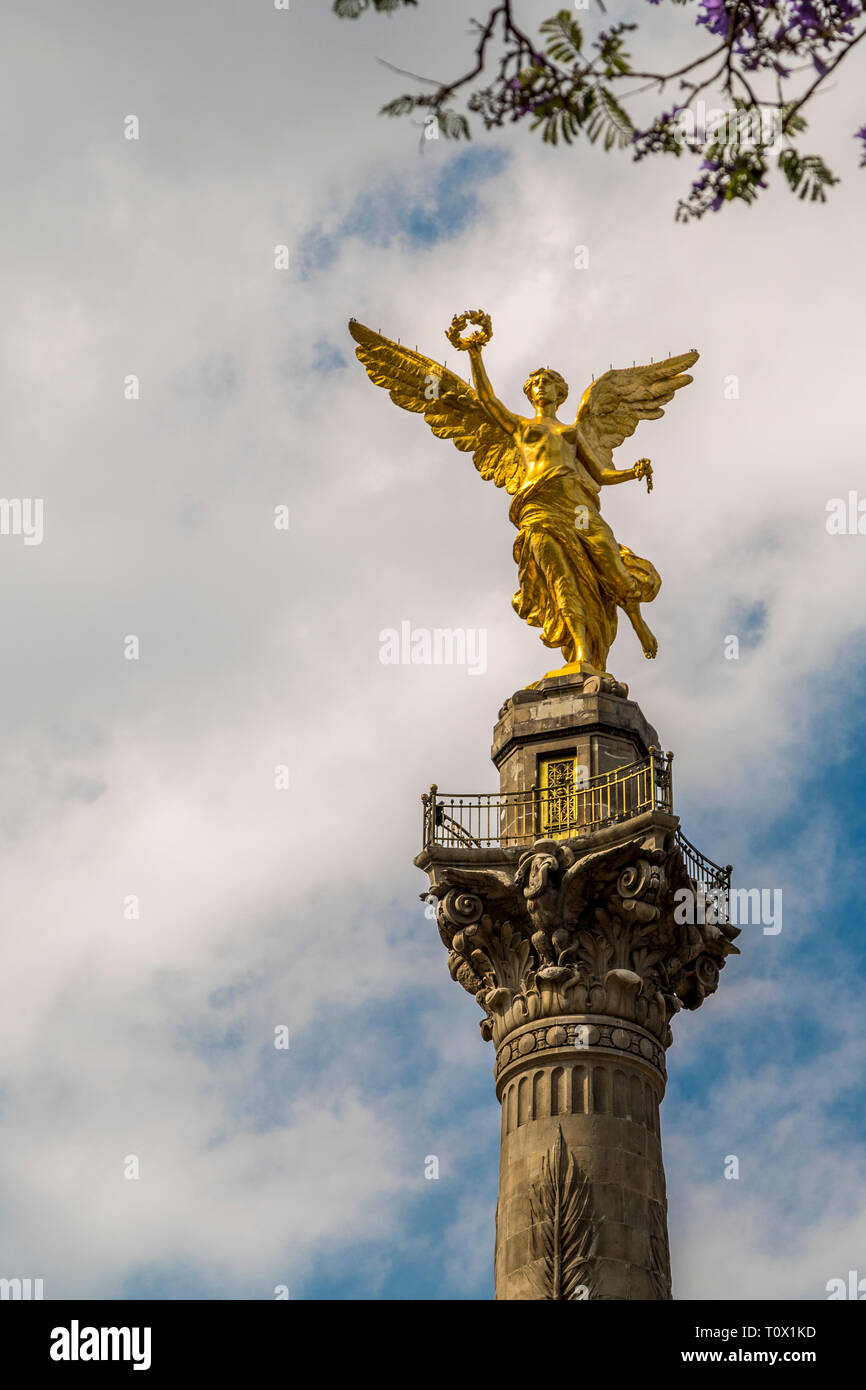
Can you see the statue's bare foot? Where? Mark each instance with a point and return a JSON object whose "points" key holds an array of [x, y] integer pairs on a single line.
{"points": [[647, 640]]}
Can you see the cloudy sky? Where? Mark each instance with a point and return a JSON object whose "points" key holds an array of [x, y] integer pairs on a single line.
{"points": [[154, 779]]}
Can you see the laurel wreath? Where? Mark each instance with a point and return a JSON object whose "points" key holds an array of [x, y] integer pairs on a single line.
{"points": [[460, 321]]}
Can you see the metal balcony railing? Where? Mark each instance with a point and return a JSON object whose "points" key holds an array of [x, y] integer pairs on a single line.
{"points": [[521, 818], [506, 819], [710, 880]]}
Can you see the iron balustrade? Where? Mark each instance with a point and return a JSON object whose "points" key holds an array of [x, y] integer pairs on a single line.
{"points": [[710, 880], [518, 818], [503, 819]]}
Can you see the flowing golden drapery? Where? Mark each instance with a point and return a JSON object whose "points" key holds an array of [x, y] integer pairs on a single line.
{"points": [[566, 574]]}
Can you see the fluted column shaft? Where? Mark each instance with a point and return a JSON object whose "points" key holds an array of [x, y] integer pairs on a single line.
{"points": [[591, 1086]]}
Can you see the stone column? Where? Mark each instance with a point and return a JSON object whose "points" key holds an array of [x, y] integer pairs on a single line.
{"points": [[581, 1147], [573, 947]]}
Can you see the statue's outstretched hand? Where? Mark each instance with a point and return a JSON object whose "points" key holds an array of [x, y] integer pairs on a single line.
{"points": [[644, 469]]}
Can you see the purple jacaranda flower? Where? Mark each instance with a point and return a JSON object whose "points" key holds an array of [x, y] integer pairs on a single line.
{"points": [[845, 12], [805, 15], [715, 16]]}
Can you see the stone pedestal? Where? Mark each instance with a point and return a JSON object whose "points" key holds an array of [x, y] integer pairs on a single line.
{"points": [[591, 718], [573, 943]]}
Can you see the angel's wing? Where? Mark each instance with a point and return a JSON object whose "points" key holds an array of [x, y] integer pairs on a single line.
{"points": [[613, 406], [448, 404]]}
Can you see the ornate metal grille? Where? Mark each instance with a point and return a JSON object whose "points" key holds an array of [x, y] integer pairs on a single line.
{"points": [[558, 807]]}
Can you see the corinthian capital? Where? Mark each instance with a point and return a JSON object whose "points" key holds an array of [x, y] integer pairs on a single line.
{"points": [[552, 931]]}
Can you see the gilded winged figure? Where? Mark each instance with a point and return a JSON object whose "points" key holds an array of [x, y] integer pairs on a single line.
{"points": [[573, 575]]}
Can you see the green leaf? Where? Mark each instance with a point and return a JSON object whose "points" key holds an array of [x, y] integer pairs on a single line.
{"points": [[351, 9], [400, 106], [453, 125], [792, 124], [612, 50], [559, 119], [564, 37], [807, 175], [610, 121]]}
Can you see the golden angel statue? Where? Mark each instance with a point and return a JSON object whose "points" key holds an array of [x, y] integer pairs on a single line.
{"points": [[572, 573]]}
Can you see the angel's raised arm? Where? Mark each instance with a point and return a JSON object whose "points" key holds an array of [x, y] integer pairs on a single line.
{"points": [[486, 395]]}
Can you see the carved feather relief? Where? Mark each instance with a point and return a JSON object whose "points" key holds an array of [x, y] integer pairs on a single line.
{"points": [[564, 1229]]}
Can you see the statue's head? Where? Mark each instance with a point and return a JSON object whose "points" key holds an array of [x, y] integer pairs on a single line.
{"points": [[545, 387]]}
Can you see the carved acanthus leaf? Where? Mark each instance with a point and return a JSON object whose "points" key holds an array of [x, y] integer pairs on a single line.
{"points": [[559, 931]]}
